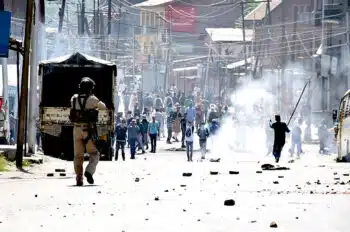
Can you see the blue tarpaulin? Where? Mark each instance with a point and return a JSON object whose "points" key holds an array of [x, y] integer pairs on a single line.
{"points": [[5, 19]]}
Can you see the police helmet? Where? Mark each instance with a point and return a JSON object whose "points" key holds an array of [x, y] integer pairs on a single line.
{"points": [[86, 85]]}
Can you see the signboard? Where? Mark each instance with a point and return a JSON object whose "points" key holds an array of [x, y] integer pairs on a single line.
{"points": [[5, 19], [183, 18]]}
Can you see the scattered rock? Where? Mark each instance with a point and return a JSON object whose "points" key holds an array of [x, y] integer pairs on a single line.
{"points": [[311, 192], [50, 175], [276, 182], [308, 183], [156, 198], [99, 192], [187, 174], [93, 203], [146, 219], [184, 210], [297, 218], [259, 172], [166, 190], [213, 173], [336, 178], [318, 182], [215, 160], [233, 172], [137, 179], [229, 202], [36, 195], [63, 174], [252, 221], [321, 166], [273, 225], [60, 170], [280, 177], [183, 185], [342, 183], [346, 174], [271, 167], [335, 173], [291, 161]]}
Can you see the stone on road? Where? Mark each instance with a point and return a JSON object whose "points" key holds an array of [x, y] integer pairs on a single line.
{"points": [[127, 198]]}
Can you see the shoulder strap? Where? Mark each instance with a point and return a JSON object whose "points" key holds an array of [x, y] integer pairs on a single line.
{"points": [[74, 102], [82, 104]]}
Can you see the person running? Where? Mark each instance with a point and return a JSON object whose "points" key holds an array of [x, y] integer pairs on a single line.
{"points": [[296, 139], [189, 141], [153, 128], [280, 129]]}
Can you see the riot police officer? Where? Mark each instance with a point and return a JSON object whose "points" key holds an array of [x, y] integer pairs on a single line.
{"points": [[84, 111]]}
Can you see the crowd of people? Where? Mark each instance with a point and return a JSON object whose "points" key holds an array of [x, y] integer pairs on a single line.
{"points": [[174, 117]]}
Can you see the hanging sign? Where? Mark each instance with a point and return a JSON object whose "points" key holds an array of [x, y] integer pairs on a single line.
{"points": [[5, 19]]}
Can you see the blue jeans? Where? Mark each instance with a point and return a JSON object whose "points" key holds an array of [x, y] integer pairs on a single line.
{"points": [[132, 142], [189, 150]]}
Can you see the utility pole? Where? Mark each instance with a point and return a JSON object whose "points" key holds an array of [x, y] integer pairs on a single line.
{"points": [[24, 84], [206, 80], [33, 107], [109, 16], [166, 74], [243, 31], [133, 53], [61, 16], [82, 20], [284, 51]]}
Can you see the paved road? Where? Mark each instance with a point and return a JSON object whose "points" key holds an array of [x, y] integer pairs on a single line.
{"points": [[308, 197]]}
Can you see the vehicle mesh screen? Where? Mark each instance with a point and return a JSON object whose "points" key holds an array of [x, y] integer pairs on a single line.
{"points": [[60, 83]]}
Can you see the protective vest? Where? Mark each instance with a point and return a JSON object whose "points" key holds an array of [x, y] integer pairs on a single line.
{"points": [[82, 115]]}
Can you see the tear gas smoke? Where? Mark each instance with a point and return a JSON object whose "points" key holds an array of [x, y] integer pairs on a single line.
{"points": [[243, 130]]}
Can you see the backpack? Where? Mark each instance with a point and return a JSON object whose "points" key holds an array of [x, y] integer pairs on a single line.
{"points": [[203, 133], [188, 132]]}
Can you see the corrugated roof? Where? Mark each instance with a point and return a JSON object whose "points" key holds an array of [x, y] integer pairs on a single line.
{"points": [[229, 34], [259, 12], [151, 3]]}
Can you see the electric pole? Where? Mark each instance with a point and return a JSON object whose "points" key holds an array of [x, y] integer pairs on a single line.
{"points": [[243, 31], [109, 16], [166, 74], [133, 53], [283, 63], [82, 20], [61, 16], [24, 84]]}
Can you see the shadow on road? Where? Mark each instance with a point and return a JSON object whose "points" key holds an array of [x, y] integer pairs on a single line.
{"points": [[90, 185]]}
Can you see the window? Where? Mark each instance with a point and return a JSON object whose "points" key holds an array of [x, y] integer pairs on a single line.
{"points": [[152, 20], [303, 13], [143, 18]]}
